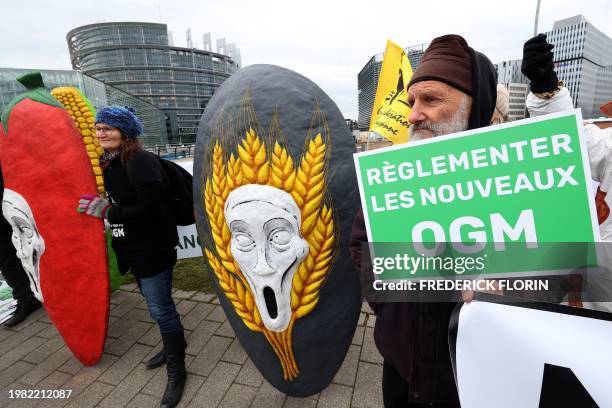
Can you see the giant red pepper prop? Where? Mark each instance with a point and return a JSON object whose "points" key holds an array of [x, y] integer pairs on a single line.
{"points": [[44, 161]]}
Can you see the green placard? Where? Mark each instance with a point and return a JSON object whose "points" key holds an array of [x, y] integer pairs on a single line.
{"points": [[515, 198]]}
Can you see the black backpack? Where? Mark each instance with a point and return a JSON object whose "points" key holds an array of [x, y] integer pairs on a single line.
{"points": [[181, 184]]}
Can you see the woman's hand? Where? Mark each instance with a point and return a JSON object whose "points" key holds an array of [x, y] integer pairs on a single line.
{"points": [[94, 206]]}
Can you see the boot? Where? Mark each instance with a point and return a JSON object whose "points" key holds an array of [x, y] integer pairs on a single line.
{"points": [[157, 360], [174, 343], [23, 310]]}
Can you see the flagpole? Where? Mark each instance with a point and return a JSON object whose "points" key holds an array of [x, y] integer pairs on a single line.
{"points": [[537, 16]]}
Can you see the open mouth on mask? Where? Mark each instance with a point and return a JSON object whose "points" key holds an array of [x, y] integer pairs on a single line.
{"points": [[269, 294], [271, 304]]}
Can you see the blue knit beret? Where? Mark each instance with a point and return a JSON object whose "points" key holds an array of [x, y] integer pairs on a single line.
{"points": [[121, 117]]}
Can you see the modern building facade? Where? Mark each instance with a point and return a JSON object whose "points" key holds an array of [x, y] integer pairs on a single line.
{"points": [[603, 90], [583, 61], [98, 93], [137, 58], [415, 54], [517, 97], [509, 72], [367, 82]]}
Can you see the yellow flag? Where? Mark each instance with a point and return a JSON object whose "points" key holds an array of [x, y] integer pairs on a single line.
{"points": [[390, 111]]}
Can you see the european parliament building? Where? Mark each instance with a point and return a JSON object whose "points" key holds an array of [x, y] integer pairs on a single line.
{"points": [[138, 58]]}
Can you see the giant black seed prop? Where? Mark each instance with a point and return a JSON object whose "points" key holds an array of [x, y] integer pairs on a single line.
{"points": [[276, 195]]}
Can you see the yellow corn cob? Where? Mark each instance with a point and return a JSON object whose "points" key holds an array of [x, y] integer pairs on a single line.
{"points": [[83, 117]]}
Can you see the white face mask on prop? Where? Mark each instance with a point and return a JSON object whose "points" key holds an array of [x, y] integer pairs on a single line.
{"points": [[29, 244], [265, 225]]}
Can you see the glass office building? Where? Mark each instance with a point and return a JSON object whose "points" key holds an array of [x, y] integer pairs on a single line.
{"points": [[99, 93], [517, 95], [367, 82], [509, 72], [137, 58], [583, 61]]}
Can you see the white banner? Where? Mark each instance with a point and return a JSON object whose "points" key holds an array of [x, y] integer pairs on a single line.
{"points": [[531, 355], [189, 243]]}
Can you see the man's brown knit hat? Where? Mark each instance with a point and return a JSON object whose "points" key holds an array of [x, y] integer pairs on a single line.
{"points": [[447, 59]]}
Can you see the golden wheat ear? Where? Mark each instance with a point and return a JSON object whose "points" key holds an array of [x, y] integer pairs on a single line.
{"points": [[237, 293], [282, 168], [310, 183], [318, 227], [312, 273], [252, 153]]}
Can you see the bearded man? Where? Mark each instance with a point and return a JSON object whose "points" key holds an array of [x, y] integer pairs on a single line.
{"points": [[452, 90]]}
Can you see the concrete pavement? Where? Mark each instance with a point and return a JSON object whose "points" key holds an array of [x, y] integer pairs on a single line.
{"points": [[34, 357]]}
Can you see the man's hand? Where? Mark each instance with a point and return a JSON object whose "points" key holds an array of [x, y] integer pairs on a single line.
{"points": [[94, 206], [538, 65], [468, 295]]}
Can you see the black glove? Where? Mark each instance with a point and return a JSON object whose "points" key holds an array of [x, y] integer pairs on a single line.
{"points": [[538, 65]]}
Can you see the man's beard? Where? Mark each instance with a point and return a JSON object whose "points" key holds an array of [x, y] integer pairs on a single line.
{"points": [[457, 123]]}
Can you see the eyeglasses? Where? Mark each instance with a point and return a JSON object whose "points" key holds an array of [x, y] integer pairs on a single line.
{"points": [[105, 130]]}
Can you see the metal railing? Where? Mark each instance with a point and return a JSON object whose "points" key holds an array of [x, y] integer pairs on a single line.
{"points": [[173, 151]]}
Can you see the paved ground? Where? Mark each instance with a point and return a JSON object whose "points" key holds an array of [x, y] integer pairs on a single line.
{"points": [[33, 356]]}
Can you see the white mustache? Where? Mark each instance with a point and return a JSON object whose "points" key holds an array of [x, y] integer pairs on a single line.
{"points": [[456, 123]]}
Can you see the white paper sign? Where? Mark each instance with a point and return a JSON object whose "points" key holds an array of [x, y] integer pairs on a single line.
{"points": [[189, 245], [509, 356]]}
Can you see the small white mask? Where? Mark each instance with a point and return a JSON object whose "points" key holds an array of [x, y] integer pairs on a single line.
{"points": [[29, 244]]}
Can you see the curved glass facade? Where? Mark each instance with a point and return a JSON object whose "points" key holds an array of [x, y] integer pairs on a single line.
{"points": [[137, 58]]}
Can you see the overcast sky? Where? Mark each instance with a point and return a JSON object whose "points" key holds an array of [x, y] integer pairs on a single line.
{"points": [[328, 41]]}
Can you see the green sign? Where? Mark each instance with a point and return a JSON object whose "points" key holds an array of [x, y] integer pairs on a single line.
{"points": [[510, 200]]}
